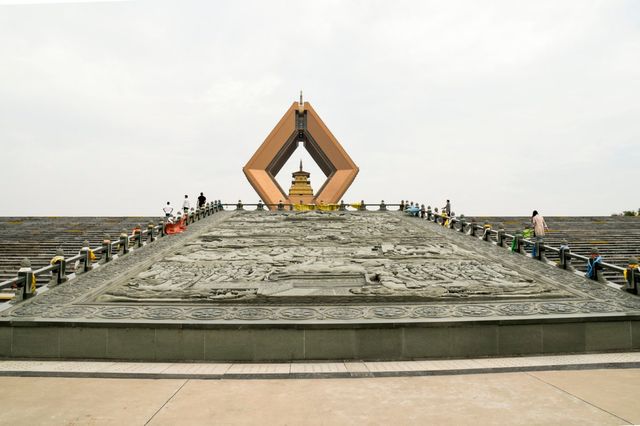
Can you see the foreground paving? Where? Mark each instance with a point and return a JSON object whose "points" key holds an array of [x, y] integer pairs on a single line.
{"points": [[298, 370], [586, 397]]}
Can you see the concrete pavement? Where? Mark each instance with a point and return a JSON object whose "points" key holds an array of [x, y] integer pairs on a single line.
{"points": [[585, 397]]}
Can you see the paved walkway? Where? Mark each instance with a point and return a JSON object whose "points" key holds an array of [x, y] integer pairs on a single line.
{"points": [[160, 370], [580, 397], [598, 389]]}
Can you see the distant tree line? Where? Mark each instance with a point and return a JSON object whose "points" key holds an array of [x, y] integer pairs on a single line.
{"points": [[628, 213]]}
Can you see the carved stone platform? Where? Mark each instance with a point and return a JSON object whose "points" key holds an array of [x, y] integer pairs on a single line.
{"points": [[320, 285]]}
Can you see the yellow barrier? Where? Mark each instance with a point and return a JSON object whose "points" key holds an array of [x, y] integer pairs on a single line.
{"points": [[321, 207]]}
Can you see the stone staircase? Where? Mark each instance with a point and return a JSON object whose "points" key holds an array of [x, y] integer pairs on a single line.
{"points": [[616, 237], [37, 238]]}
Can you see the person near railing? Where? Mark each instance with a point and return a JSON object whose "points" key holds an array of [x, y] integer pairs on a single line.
{"points": [[413, 209], [167, 211], [186, 204], [201, 200], [175, 225], [539, 225], [401, 205], [594, 264], [447, 208], [423, 211]]}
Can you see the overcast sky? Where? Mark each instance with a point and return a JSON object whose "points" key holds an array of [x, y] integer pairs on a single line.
{"points": [[113, 108]]}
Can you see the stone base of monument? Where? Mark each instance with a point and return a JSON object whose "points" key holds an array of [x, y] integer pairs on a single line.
{"points": [[290, 342], [258, 286]]}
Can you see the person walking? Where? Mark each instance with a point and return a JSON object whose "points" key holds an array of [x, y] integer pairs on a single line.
{"points": [[201, 200], [186, 204], [539, 225], [167, 210], [447, 208]]}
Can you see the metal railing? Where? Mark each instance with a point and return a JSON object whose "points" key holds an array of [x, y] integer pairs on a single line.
{"points": [[499, 237], [25, 280]]}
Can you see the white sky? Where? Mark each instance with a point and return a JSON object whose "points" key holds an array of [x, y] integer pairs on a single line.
{"points": [[113, 108]]}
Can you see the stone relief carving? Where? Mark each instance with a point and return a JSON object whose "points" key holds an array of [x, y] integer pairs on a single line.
{"points": [[196, 278], [326, 255]]}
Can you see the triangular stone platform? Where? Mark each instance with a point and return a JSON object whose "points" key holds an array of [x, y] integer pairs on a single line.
{"points": [[284, 286]]}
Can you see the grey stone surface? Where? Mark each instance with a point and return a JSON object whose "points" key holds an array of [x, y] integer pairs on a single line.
{"points": [[264, 286], [300, 256], [602, 336], [131, 343], [179, 344], [36, 342], [520, 339], [300, 267], [5, 341], [82, 342], [562, 338]]}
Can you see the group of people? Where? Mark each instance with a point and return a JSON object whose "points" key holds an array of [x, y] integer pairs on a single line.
{"points": [[186, 206], [177, 223], [418, 210]]}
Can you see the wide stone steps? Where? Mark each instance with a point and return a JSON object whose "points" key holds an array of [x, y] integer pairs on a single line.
{"points": [[617, 237], [38, 238]]}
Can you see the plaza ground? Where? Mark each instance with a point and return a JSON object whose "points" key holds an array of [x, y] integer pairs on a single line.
{"points": [[602, 396]]}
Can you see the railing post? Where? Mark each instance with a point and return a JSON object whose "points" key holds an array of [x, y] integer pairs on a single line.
{"points": [[343, 206], [516, 244], [463, 223], [106, 249], [192, 215], [260, 206], [161, 229], [363, 206], [565, 256], [280, 206], [28, 288], [632, 274], [239, 206], [486, 233], [539, 248], [383, 206], [61, 267], [500, 236], [137, 235], [150, 228], [85, 257], [472, 228], [429, 213], [124, 241]]}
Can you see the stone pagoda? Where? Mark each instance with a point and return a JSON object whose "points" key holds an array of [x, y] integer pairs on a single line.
{"points": [[301, 191]]}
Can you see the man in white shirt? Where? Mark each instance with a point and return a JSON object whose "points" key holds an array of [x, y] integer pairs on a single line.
{"points": [[185, 204], [167, 210]]}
